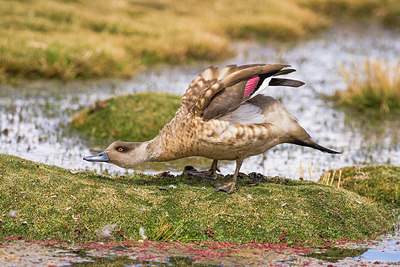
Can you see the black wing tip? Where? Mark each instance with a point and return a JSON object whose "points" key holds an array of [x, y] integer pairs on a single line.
{"points": [[285, 82], [297, 83]]}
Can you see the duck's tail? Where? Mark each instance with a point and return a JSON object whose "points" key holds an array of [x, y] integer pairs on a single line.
{"points": [[311, 143]]}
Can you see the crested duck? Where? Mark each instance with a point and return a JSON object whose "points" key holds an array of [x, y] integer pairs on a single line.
{"points": [[222, 116]]}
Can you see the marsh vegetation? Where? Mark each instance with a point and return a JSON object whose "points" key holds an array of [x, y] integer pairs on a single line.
{"points": [[372, 86], [80, 39]]}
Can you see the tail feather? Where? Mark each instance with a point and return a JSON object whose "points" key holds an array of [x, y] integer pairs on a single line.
{"points": [[285, 82], [312, 144]]}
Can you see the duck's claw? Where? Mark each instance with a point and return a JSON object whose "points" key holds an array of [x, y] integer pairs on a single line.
{"points": [[228, 187], [189, 170]]}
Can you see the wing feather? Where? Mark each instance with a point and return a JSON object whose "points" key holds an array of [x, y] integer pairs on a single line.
{"points": [[245, 114], [217, 92]]}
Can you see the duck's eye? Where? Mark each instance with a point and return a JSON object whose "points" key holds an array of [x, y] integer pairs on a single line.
{"points": [[120, 149]]}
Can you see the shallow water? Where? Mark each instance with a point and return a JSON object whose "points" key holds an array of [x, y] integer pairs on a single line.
{"points": [[34, 117], [385, 250], [24, 253]]}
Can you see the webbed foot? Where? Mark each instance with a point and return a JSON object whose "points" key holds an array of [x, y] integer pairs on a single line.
{"points": [[189, 170], [228, 187]]}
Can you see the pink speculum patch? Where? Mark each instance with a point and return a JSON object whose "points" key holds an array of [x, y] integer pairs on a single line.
{"points": [[250, 86]]}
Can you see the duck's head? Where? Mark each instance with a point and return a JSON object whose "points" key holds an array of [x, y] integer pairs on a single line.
{"points": [[122, 154]]}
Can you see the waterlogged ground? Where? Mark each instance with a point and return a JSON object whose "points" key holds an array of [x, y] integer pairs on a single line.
{"points": [[34, 119]]}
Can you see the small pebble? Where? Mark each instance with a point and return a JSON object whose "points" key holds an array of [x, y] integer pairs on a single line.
{"points": [[12, 213], [142, 234]]}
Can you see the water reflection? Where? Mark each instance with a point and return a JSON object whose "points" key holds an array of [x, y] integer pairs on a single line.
{"points": [[334, 254], [126, 261]]}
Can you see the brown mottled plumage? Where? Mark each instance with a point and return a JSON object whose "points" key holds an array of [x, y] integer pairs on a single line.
{"points": [[221, 117]]}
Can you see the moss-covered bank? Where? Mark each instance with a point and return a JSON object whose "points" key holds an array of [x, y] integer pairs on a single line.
{"points": [[41, 201], [136, 117]]}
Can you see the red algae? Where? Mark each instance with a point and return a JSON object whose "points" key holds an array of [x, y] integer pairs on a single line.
{"points": [[213, 252]]}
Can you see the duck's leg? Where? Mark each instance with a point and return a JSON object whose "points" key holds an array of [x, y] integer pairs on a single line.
{"points": [[229, 187], [210, 174]]}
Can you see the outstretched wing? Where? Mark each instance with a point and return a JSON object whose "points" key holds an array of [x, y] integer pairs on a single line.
{"points": [[205, 80], [216, 92]]}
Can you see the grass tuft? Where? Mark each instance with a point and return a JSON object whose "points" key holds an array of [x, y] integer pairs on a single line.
{"points": [[165, 230], [374, 86]]}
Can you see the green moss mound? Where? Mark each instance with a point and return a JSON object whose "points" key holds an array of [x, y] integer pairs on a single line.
{"points": [[379, 183], [136, 117], [42, 201]]}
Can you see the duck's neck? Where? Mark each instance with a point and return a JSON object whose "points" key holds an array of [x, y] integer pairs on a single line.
{"points": [[155, 150], [165, 147], [140, 154], [172, 142]]}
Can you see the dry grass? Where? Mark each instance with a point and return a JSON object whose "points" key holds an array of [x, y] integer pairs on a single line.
{"points": [[373, 85], [309, 170], [329, 178], [89, 39]]}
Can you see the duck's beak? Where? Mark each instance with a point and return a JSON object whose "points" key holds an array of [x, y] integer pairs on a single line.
{"points": [[101, 157]]}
